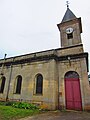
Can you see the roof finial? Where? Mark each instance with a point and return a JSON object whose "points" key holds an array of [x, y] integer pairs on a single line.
{"points": [[67, 3]]}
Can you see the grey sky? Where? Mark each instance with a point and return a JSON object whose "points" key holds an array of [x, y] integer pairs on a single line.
{"points": [[28, 26]]}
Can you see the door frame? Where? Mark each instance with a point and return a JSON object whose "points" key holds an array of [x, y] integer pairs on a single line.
{"points": [[72, 75]]}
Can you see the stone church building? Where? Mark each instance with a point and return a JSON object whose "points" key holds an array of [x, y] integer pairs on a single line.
{"points": [[53, 79]]}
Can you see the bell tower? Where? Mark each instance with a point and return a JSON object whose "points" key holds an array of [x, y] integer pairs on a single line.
{"points": [[70, 29]]}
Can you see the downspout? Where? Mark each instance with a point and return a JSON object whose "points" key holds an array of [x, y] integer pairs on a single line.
{"points": [[58, 88], [9, 81], [2, 73]]}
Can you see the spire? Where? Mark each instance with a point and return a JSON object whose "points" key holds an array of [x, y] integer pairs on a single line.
{"points": [[69, 15]]}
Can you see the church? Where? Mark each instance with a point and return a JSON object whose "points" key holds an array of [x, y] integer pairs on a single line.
{"points": [[52, 79]]}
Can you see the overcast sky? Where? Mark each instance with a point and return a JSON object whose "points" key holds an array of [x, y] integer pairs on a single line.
{"points": [[28, 26]]}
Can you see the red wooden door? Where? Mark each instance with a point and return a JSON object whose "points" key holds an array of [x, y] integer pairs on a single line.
{"points": [[73, 94]]}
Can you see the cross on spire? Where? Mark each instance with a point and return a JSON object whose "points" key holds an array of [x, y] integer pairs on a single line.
{"points": [[67, 3]]}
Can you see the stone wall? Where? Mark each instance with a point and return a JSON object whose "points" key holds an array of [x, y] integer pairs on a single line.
{"points": [[79, 66], [28, 72], [52, 65]]}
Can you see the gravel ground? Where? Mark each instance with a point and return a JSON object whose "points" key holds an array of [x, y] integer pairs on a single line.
{"points": [[58, 115]]}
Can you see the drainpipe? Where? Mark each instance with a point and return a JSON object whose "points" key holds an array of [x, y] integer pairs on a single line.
{"points": [[58, 90], [3, 65], [9, 81]]}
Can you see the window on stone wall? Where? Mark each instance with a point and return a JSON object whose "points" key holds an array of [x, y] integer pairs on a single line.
{"points": [[70, 36], [2, 84], [18, 84], [39, 84], [70, 39]]}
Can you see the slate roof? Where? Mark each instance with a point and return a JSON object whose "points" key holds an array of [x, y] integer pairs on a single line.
{"points": [[69, 15]]}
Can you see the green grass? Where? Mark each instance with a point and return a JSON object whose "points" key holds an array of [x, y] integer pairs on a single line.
{"points": [[10, 113]]}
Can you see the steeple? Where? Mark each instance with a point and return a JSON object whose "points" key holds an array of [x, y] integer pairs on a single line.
{"points": [[70, 29], [69, 15]]}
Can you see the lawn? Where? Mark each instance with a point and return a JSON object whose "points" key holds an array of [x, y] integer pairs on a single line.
{"points": [[10, 113]]}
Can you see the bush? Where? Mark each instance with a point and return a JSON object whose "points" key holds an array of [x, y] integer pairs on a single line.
{"points": [[24, 105], [9, 103], [6, 103], [2, 103]]}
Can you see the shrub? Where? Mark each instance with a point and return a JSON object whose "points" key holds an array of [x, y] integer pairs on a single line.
{"points": [[2, 103], [24, 105], [9, 103], [6, 103]]}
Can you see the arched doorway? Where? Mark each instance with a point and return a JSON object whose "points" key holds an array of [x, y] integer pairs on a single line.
{"points": [[72, 91]]}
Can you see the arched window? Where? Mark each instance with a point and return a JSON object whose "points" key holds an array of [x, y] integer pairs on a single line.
{"points": [[18, 84], [39, 84], [2, 81]]}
